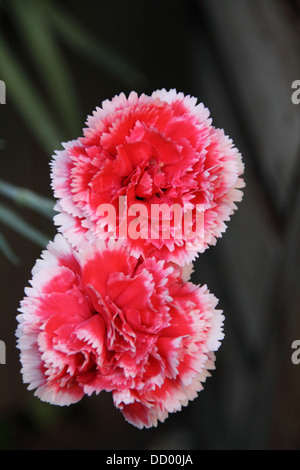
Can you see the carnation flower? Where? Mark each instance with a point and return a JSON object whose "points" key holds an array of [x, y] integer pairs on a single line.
{"points": [[100, 319], [149, 152]]}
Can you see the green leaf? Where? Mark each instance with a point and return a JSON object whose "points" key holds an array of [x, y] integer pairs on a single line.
{"points": [[28, 198], [17, 223], [32, 19], [7, 251], [27, 100], [92, 48]]}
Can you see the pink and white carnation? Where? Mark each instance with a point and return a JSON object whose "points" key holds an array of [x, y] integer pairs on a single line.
{"points": [[100, 319], [158, 150]]}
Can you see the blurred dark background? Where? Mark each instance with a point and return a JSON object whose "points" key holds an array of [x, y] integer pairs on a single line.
{"points": [[59, 60]]}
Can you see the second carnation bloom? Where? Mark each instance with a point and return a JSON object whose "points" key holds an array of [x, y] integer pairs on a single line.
{"points": [[100, 320]]}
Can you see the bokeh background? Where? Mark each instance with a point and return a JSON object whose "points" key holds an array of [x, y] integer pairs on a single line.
{"points": [[60, 59]]}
